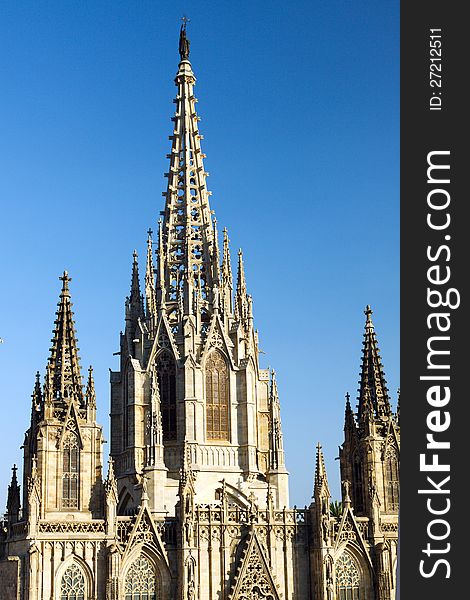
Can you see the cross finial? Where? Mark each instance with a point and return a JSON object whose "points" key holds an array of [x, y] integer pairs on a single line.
{"points": [[319, 447], [185, 20], [65, 282], [368, 312], [14, 469], [149, 232], [347, 397]]}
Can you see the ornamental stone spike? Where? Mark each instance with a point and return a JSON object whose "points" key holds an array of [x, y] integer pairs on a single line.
{"points": [[188, 244], [372, 384], [63, 377], [150, 279]]}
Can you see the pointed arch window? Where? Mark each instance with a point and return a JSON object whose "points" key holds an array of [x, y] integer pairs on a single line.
{"points": [[392, 481], [217, 398], [358, 485], [166, 373], [347, 578], [72, 585], [141, 581], [70, 470]]}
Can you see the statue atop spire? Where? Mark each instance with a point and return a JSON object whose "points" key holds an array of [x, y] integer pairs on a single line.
{"points": [[184, 42]]}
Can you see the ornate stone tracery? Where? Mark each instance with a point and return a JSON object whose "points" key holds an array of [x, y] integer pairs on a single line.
{"points": [[72, 586], [217, 397], [70, 470], [347, 578], [141, 580], [254, 580]]}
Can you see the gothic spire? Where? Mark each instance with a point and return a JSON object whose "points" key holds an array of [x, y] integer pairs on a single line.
{"points": [[226, 282], [13, 501], [276, 442], [321, 480], [150, 279], [373, 392], [63, 377], [37, 403], [226, 262], [188, 238], [135, 299], [134, 302], [349, 422], [90, 389], [241, 296]]}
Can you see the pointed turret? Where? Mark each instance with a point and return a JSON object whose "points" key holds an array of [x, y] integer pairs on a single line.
{"points": [[161, 294], [37, 401], [188, 236], [150, 294], [91, 394], [226, 277], [13, 501], [134, 302], [373, 392], [154, 450], [349, 421], [321, 488], [321, 501], [241, 296], [63, 377], [276, 442], [111, 498]]}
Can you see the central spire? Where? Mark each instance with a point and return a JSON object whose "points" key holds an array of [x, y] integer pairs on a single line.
{"points": [[189, 255], [63, 378], [373, 391]]}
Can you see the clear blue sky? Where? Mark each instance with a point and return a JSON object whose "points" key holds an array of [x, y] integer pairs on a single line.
{"points": [[300, 117]]}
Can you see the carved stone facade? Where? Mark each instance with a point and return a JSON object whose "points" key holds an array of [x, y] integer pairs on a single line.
{"points": [[194, 504]]}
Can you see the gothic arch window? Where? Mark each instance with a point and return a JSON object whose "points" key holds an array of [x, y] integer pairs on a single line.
{"points": [[72, 585], [358, 485], [141, 581], [70, 470], [392, 481], [166, 373], [348, 580], [217, 398]]}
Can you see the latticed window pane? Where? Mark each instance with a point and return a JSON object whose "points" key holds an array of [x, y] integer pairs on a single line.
{"points": [[392, 483], [72, 586], [166, 372], [141, 581], [347, 578], [217, 401], [70, 471]]}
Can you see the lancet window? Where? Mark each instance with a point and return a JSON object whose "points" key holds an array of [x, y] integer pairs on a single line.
{"points": [[72, 585], [70, 470], [141, 581], [166, 372], [347, 578], [217, 398], [392, 483], [358, 485]]}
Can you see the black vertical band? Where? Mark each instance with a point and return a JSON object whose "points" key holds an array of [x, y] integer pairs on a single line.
{"points": [[435, 317]]}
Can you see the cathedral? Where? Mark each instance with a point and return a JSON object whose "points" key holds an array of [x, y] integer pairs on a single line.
{"points": [[194, 501]]}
